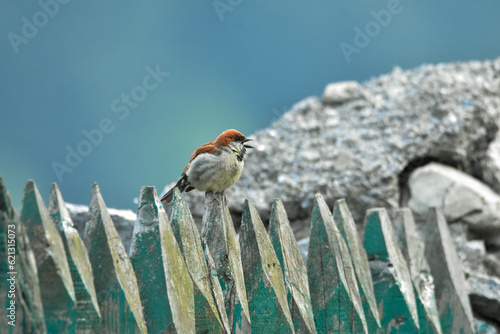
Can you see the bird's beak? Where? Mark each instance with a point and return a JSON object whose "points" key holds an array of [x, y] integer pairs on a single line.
{"points": [[247, 140]]}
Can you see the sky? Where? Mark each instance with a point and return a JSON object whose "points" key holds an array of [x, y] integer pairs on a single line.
{"points": [[121, 92]]}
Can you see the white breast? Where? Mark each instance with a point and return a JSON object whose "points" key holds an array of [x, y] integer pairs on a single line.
{"points": [[214, 172]]}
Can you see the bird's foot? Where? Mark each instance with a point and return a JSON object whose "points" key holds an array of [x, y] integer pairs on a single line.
{"points": [[218, 197]]}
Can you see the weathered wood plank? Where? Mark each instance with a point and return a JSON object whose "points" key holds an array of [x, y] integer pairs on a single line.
{"points": [[25, 315], [334, 290], [267, 297], [412, 248], [392, 283], [450, 287], [32, 317], [164, 282], [147, 259], [347, 227], [56, 284], [210, 313], [219, 236], [88, 317], [114, 278], [178, 279], [293, 267]]}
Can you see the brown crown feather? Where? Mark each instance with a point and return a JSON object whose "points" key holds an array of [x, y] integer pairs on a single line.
{"points": [[227, 137]]}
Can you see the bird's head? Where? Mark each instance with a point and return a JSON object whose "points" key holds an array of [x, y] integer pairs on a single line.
{"points": [[234, 141]]}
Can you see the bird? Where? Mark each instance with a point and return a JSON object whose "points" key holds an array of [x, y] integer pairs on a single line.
{"points": [[214, 166]]}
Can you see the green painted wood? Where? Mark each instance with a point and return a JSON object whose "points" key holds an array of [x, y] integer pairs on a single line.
{"points": [[347, 227], [266, 293], [450, 286], [164, 282], [392, 282], [412, 248], [179, 283], [293, 267], [210, 312], [334, 290], [114, 277], [56, 284], [88, 317], [32, 317], [18, 263], [147, 259], [219, 236]]}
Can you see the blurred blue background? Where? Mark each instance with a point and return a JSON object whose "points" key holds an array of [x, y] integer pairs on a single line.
{"points": [[67, 68]]}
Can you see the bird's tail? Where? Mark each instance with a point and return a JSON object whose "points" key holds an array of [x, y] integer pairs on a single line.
{"points": [[169, 196], [182, 184]]}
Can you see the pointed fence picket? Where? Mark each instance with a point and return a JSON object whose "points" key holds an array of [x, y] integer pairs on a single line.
{"points": [[54, 276], [334, 290], [176, 281], [219, 236]]}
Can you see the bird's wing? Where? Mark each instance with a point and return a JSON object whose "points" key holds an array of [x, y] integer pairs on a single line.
{"points": [[205, 148], [183, 183]]}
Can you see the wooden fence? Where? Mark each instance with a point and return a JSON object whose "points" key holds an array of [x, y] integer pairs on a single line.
{"points": [[176, 281]]}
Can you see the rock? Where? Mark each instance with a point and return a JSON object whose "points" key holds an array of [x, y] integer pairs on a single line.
{"points": [[461, 197], [492, 264], [491, 164], [459, 233], [123, 220], [341, 92], [472, 254], [484, 294], [364, 148]]}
